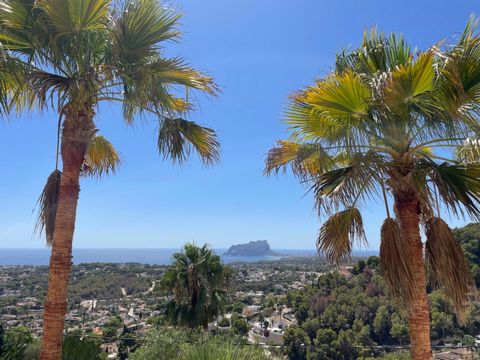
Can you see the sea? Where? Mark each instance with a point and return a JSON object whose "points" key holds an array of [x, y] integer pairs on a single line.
{"points": [[41, 256]]}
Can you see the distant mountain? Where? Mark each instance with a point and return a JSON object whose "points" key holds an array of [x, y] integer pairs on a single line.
{"points": [[253, 248]]}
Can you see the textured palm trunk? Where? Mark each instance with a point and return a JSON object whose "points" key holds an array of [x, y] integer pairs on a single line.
{"points": [[407, 209], [77, 131]]}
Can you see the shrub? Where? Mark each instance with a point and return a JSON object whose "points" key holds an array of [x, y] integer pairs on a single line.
{"points": [[214, 350]]}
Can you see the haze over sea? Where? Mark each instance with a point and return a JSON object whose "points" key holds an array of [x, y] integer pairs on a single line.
{"points": [[143, 256]]}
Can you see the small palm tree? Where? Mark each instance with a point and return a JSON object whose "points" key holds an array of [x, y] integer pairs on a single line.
{"points": [[399, 124], [70, 55], [197, 279]]}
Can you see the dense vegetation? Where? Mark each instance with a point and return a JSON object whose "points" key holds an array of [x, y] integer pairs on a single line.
{"points": [[338, 317], [181, 344], [469, 238]]}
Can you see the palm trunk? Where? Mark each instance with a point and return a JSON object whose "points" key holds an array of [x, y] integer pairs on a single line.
{"points": [[407, 209], [76, 134]]}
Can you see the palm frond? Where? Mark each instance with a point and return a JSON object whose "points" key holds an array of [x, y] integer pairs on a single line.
{"points": [[458, 185], [395, 261], [178, 137], [340, 97], [459, 85], [449, 265], [47, 203], [378, 53], [338, 234], [358, 180], [469, 152], [409, 82], [75, 16], [17, 21], [101, 158], [140, 27], [307, 160], [147, 87]]}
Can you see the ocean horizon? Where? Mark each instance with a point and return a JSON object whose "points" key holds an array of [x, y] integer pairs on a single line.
{"points": [[158, 256]]}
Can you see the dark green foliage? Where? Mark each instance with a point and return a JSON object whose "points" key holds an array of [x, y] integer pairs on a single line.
{"points": [[240, 327], [295, 342], [224, 322], [80, 349], [197, 280], [468, 340], [16, 341], [111, 328], [340, 316], [190, 344], [469, 238]]}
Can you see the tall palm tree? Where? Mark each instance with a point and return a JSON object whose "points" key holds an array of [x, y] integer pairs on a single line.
{"points": [[197, 280], [399, 124], [70, 55]]}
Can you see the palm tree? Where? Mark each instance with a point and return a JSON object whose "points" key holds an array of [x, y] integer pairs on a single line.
{"points": [[399, 124], [70, 55], [197, 280]]}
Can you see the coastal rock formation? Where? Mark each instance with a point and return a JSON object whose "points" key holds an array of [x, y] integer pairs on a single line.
{"points": [[253, 248]]}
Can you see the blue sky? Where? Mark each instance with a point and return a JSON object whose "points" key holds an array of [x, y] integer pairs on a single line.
{"points": [[258, 52]]}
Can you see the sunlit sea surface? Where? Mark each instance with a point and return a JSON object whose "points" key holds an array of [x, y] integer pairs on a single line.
{"points": [[143, 256]]}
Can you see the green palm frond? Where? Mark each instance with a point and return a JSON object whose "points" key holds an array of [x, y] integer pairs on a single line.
{"points": [[306, 160], [409, 82], [47, 203], [178, 137], [344, 97], [75, 16], [358, 180], [101, 158], [458, 185], [338, 234], [378, 53], [17, 23], [147, 87], [395, 261], [459, 85], [140, 28], [449, 265]]}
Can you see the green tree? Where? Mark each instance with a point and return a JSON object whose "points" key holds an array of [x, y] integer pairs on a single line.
{"points": [[345, 345], [442, 323], [386, 122], [295, 343], [399, 329], [363, 336], [324, 347], [75, 348], [71, 55], [16, 342], [111, 328], [198, 281], [238, 307], [240, 327], [469, 340], [311, 327], [381, 324]]}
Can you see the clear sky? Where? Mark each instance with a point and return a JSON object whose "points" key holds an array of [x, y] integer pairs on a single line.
{"points": [[259, 51]]}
